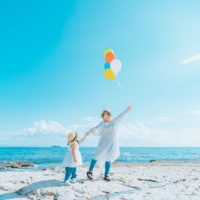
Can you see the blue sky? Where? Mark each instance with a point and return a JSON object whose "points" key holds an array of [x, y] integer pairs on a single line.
{"points": [[51, 70]]}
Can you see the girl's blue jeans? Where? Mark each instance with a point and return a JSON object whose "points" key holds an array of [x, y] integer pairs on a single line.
{"points": [[107, 166], [70, 172]]}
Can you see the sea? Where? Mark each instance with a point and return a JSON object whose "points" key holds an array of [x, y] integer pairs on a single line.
{"points": [[44, 157]]}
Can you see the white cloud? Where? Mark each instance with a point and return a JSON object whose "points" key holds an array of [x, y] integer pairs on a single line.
{"points": [[142, 134], [138, 130], [125, 132], [6, 138], [142, 131], [190, 137], [162, 119], [148, 122], [194, 58], [195, 112], [195, 132], [78, 126], [130, 134], [92, 119], [46, 127], [90, 122]]}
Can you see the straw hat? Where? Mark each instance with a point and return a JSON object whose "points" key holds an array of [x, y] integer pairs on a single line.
{"points": [[72, 136], [105, 111]]}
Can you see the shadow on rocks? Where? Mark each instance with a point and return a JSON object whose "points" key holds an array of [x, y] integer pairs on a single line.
{"points": [[31, 189]]}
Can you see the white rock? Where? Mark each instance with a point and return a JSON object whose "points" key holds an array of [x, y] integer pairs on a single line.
{"points": [[78, 189], [48, 192], [36, 192], [16, 182], [32, 197], [1, 187]]}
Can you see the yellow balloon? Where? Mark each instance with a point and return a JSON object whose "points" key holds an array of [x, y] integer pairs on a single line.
{"points": [[109, 74]]}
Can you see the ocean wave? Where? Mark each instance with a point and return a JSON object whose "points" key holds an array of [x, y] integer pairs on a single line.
{"points": [[128, 154]]}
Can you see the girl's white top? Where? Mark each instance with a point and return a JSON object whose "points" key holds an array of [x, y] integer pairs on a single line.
{"points": [[68, 160], [108, 147]]}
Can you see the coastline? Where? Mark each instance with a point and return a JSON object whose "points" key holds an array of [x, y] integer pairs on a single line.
{"points": [[47, 157], [166, 180]]}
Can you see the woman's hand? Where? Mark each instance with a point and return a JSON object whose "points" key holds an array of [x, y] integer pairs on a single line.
{"points": [[87, 133], [75, 160], [129, 108]]}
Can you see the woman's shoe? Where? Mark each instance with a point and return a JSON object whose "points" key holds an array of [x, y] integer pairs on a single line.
{"points": [[73, 180], [67, 183], [89, 175], [107, 178]]}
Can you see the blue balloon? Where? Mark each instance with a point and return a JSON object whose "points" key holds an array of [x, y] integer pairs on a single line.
{"points": [[107, 65]]}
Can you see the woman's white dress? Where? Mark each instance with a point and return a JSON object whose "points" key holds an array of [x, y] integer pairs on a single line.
{"points": [[68, 160], [108, 146]]}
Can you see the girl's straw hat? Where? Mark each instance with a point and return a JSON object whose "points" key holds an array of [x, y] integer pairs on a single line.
{"points": [[105, 111], [72, 136]]}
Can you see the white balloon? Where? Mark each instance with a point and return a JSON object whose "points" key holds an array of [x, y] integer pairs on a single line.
{"points": [[116, 65]]}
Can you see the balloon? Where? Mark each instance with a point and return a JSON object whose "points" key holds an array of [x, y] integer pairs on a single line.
{"points": [[107, 50], [109, 57], [109, 74], [116, 66], [106, 65]]}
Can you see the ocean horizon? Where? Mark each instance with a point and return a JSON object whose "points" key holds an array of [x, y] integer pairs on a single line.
{"points": [[44, 157]]}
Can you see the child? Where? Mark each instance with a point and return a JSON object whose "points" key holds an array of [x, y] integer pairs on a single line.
{"points": [[72, 158]]}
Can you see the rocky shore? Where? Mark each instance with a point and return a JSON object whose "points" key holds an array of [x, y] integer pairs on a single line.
{"points": [[15, 164], [150, 181]]}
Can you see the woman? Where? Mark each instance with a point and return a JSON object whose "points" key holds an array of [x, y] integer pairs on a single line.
{"points": [[108, 147]]}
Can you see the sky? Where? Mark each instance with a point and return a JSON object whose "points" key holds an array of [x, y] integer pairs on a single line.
{"points": [[52, 65]]}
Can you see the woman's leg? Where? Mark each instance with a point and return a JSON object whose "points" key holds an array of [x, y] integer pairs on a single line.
{"points": [[68, 172], [92, 164], [107, 168], [74, 172]]}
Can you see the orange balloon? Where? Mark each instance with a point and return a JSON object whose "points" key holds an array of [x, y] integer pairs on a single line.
{"points": [[110, 56]]}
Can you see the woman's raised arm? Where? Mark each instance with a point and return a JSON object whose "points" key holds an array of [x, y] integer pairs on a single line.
{"points": [[120, 117]]}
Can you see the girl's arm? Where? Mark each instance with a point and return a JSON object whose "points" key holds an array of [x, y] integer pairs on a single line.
{"points": [[81, 141], [73, 146]]}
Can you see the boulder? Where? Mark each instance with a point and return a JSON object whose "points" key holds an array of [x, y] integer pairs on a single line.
{"points": [[3, 165], [19, 164], [48, 192], [2, 168], [32, 197], [14, 166], [152, 160], [35, 192]]}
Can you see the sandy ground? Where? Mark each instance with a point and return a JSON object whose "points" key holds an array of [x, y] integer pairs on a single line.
{"points": [[156, 180]]}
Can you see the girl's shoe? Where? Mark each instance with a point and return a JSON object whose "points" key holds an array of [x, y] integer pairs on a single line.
{"points": [[67, 182], [73, 180]]}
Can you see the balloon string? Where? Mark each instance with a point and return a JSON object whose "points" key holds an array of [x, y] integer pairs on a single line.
{"points": [[120, 86]]}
